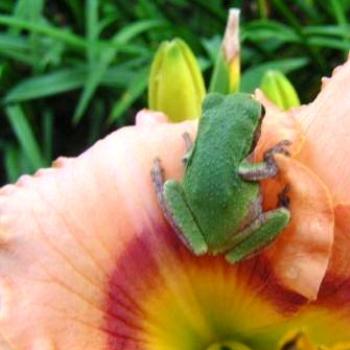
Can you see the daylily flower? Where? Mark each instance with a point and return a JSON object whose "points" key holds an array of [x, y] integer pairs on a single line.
{"points": [[87, 260]]}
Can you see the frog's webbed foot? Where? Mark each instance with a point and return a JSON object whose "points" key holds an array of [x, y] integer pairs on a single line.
{"points": [[189, 147], [173, 204], [266, 169]]}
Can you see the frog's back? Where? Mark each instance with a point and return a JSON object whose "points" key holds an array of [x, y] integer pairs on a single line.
{"points": [[225, 137]]}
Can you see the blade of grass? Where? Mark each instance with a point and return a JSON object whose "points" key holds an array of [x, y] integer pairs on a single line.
{"points": [[106, 57], [74, 41], [6, 5], [69, 79], [75, 8], [31, 11], [252, 77], [91, 29], [95, 75], [294, 22], [15, 47], [328, 30], [268, 29], [136, 87], [132, 30], [17, 56], [13, 42], [213, 8], [338, 44], [96, 120], [47, 85], [47, 137], [263, 8], [25, 136], [308, 8], [12, 163], [341, 19], [28, 9], [57, 33]]}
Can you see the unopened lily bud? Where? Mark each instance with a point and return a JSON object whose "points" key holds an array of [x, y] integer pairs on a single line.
{"points": [[279, 90], [226, 75], [176, 86]]}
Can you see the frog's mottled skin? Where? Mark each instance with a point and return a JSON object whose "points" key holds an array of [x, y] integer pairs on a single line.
{"points": [[216, 208]]}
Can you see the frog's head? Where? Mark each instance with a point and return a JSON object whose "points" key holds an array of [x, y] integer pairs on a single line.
{"points": [[236, 117]]}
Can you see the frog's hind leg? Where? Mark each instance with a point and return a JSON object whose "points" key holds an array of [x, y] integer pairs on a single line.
{"points": [[176, 210], [258, 235]]}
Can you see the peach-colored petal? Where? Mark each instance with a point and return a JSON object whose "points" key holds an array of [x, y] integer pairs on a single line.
{"points": [[277, 125], [326, 123], [339, 266], [301, 254], [149, 118], [63, 229]]}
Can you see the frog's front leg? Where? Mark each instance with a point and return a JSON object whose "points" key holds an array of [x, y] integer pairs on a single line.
{"points": [[266, 169], [175, 207], [258, 235]]}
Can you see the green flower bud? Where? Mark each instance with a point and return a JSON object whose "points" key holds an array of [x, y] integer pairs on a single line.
{"points": [[176, 85], [279, 90], [227, 70]]}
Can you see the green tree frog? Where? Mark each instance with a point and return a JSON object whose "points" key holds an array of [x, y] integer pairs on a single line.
{"points": [[217, 207]]}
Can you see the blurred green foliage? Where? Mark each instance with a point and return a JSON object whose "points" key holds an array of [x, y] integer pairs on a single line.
{"points": [[73, 70]]}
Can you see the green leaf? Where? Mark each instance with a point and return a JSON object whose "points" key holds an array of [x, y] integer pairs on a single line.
{"points": [[47, 85], [259, 30], [328, 30], [95, 75], [29, 9], [92, 29], [56, 33], [12, 163], [47, 127], [220, 79], [337, 44], [75, 8], [106, 57], [25, 136], [132, 30], [71, 78], [252, 77], [212, 46], [6, 5], [136, 87], [15, 47]]}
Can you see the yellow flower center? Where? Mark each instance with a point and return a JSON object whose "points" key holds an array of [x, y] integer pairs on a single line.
{"points": [[228, 345]]}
